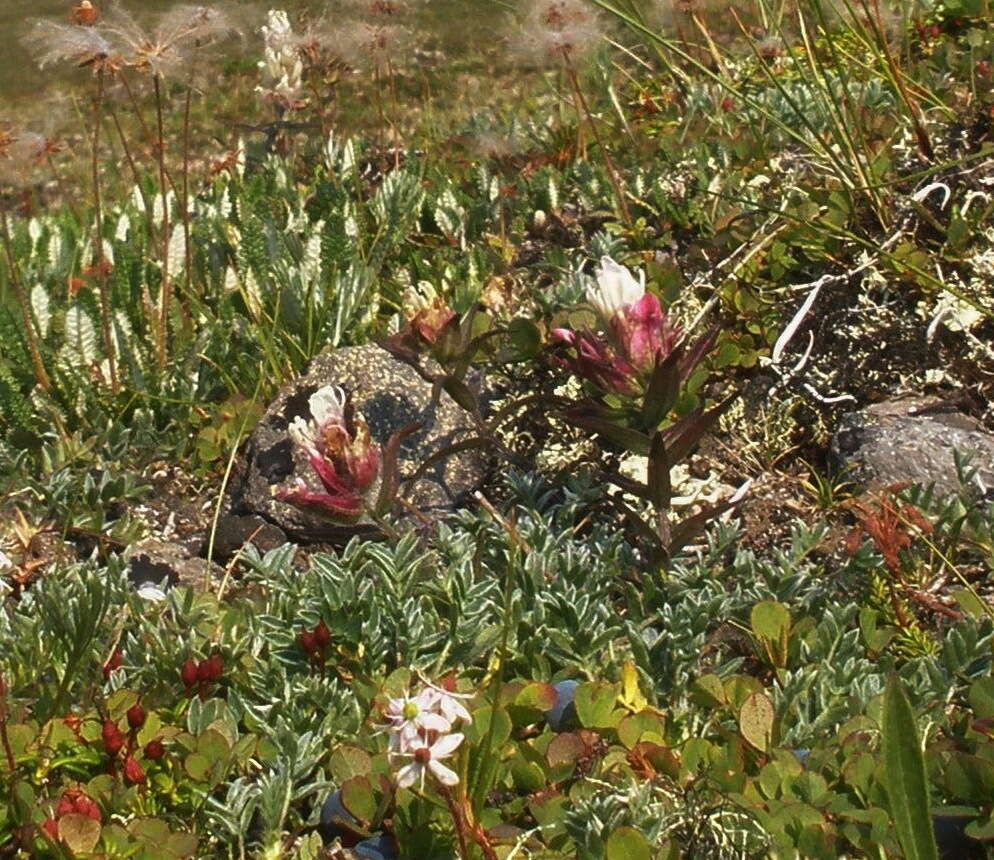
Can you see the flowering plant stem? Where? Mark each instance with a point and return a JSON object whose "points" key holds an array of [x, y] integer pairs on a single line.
{"points": [[464, 825], [164, 290], [187, 247], [105, 324], [41, 376], [126, 148], [487, 755]]}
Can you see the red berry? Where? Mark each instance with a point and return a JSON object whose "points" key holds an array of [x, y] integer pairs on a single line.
{"points": [[189, 673], [86, 806], [51, 827], [322, 635], [113, 662], [211, 669], [307, 642], [136, 716], [113, 741], [154, 750], [133, 773], [65, 807]]}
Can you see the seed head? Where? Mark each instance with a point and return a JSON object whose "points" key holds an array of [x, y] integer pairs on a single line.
{"points": [[554, 31], [51, 42]]}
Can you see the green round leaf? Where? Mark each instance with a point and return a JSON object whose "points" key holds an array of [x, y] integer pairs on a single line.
{"points": [[626, 843], [80, 832], [756, 721]]}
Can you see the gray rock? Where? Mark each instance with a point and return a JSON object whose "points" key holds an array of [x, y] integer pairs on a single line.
{"points": [[158, 562], [234, 531], [389, 395], [913, 439]]}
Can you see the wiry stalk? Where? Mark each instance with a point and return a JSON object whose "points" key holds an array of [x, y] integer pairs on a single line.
{"points": [[41, 376], [612, 172], [105, 320], [63, 191], [165, 293], [187, 247], [149, 136], [914, 109], [134, 172], [396, 115]]}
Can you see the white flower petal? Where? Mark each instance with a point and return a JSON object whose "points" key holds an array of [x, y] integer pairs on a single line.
{"points": [[301, 432], [443, 774], [445, 746], [408, 775], [328, 405], [434, 722], [615, 288]]}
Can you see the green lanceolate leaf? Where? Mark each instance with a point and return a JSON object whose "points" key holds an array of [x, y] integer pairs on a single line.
{"points": [[661, 394], [904, 775], [660, 488]]}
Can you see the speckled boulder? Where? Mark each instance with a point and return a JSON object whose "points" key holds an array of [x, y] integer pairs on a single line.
{"points": [[913, 439], [389, 395]]}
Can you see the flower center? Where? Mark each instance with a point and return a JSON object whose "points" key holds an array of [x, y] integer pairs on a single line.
{"points": [[423, 755], [411, 710]]}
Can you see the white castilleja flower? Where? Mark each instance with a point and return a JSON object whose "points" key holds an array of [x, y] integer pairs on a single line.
{"points": [[428, 759], [615, 288], [327, 407], [341, 452]]}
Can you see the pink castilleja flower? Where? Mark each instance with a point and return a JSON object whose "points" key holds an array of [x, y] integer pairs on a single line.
{"points": [[341, 452], [639, 334]]}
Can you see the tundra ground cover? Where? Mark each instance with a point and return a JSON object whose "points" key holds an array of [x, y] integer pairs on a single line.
{"points": [[686, 241]]}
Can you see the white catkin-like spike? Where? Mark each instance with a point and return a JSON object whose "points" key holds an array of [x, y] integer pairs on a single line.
{"points": [[34, 230], [230, 280], [137, 199], [348, 157], [177, 249], [312, 253], [123, 225], [122, 331], [54, 248], [81, 335], [159, 207], [108, 251], [225, 205], [252, 293], [40, 309]]}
